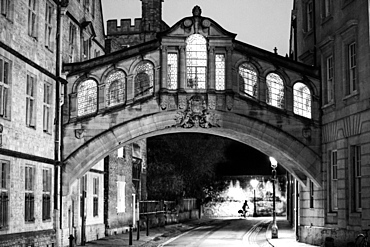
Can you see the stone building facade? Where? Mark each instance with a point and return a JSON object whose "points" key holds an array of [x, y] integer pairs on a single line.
{"points": [[334, 36], [30, 79]]}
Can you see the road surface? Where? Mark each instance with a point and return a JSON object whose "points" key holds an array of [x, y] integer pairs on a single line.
{"points": [[231, 232]]}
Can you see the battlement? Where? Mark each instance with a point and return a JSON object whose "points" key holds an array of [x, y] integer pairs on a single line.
{"points": [[125, 26]]}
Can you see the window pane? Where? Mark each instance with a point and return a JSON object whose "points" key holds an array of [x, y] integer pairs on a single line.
{"points": [[275, 90], [248, 79], [172, 71], [196, 61], [220, 72], [302, 100], [144, 79], [116, 88], [86, 97]]}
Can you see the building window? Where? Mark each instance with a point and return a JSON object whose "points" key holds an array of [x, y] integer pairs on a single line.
{"points": [[87, 97], [86, 49], [356, 184], [333, 180], [326, 8], [248, 79], [48, 24], [116, 88], [6, 8], [144, 79], [220, 71], [47, 107], [302, 100], [4, 89], [312, 198], [4, 194], [196, 61], [95, 196], [46, 193], [329, 80], [72, 42], [352, 71], [172, 70], [121, 197], [275, 90], [309, 15], [31, 101], [29, 213], [32, 18]]}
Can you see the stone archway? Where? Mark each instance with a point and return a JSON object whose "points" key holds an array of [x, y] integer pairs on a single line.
{"points": [[297, 158]]}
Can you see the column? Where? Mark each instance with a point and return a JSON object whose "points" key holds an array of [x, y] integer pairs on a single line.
{"points": [[164, 68], [211, 69], [229, 79], [182, 69]]}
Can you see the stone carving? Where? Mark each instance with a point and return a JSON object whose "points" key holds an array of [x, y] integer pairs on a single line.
{"points": [[197, 11], [196, 115], [188, 22], [212, 102], [229, 102], [182, 101], [306, 133], [164, 101], [79, 133]]}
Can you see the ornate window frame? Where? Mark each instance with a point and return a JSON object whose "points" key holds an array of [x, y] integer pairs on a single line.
{"points": [[87, 98], [115, 96], [143, 71], [302, 100], [275, 90], [196, 62]]}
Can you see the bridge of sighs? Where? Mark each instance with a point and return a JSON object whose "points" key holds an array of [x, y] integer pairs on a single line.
{"points": [[194, 77]]}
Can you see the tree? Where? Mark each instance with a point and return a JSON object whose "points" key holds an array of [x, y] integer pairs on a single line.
{"points": [[185, 165]]}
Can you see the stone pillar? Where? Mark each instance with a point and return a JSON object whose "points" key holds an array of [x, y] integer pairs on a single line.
{"points": [[182, 68], [211, 69], [164, 68], [262, 88], [229, 79], [130, 88]]}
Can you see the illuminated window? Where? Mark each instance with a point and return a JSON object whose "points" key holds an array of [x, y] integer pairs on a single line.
{"points": [[115, 88], [196, 61], [302, 100], [172, 71], [275, 90], [87, 97], [248, 79], [220, 71], [144, 79]]}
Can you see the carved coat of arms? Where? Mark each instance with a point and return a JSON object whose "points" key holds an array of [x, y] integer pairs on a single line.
{"points": [[196, 115]]}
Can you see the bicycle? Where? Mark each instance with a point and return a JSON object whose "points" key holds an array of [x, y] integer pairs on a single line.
{"points": [[362, 239]]}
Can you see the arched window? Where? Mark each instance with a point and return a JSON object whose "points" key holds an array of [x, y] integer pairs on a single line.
{"points": [[274, 90], [115, 87], [196, 61], [248, 79], [302, 100], [87, 95], [144, 79]]}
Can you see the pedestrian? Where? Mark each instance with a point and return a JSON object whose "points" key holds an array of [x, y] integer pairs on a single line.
{"points": [[245, 207]]}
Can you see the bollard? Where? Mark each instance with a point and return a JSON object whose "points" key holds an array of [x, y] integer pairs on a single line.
{"points": [[71, 238], [130, 236], [147, 225], [138, 230]]}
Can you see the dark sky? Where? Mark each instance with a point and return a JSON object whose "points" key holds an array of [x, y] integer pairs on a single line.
{"points": [[239, 159]]}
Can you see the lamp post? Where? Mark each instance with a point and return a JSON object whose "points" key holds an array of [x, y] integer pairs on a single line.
{"points": [[254, 183], [274, 227]]}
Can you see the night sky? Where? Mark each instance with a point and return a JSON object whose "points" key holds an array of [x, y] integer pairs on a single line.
{"points": [[239, 159]]}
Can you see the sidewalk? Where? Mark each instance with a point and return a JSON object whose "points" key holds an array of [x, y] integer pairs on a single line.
{"points": [[286, 235]]}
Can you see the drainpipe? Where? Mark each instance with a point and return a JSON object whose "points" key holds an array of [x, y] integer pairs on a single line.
{"points": [[314, 34]]}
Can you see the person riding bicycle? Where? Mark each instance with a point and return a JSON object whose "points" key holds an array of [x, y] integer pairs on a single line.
{"points": [[245, 207]]}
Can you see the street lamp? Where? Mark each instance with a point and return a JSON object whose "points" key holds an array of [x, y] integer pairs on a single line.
{"points": [[254, 183], [274, 228]]}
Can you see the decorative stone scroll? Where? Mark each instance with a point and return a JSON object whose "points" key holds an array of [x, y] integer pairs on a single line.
{"points": [[196, 115], [79, 133]]}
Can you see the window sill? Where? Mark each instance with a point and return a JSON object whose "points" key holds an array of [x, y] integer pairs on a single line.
{"points": [[348, 99], [326, 19]]}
